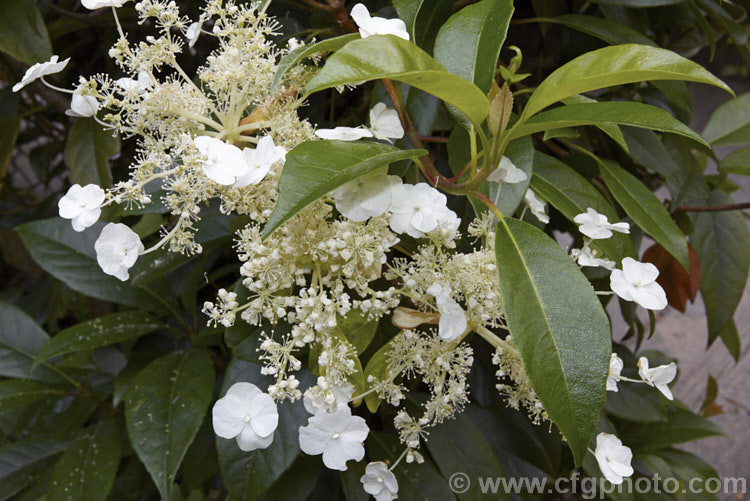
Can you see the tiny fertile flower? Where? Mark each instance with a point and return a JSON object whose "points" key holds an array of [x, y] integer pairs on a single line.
{"points": [[343, 133], [225, 163], [82, 205], [418, 209], [658, 377], [338, 436], [137, 86], [365, 197], [380, 482], [98, 4], [377, 25], [615, 368], [384, 123], [613, 458], [117, 250], [507, 172], [246, 414], [39, 70], [537, 207], [587, 257], [259, 161], [83, 106], [452, 317], [597, 226], [637, 282]]}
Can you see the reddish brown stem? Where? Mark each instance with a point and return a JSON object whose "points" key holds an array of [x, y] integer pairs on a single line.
{"points": [[713, 208], [433, 139]]}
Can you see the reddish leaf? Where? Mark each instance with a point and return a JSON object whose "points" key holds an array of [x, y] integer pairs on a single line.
{"points": [[677, 283]]}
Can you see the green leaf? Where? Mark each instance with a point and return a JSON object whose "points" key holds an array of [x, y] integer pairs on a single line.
{"points": [[299, 54], [737, 162], [20, 340], [356, 329], [9, 124], [87, 469], [681, 426], [423, 19], [164, 409], [612, 32], [314, 168], [615, 65], [638, 3], [377, 367], [469, 43], [563, 337], [388, 56], [731, 339], [634, 404], [633, 114], [572, 194], [645, 209], [102, 331], [729, 124], [20, 460], [24, 35], [87, 153], [18, 393]]}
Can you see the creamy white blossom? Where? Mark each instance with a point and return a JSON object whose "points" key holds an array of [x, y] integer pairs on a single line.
{"points": [[343, 133], [613, 458], [658, 377], [39, 70], [338, 436], [246, 414], [193, 32], [117, 250], [367, 196], [99, 4], [138, 85], [597, 226], [324, 396], [83, 106], [637, 282], [379, 482], [258, 161], [588, 257], [615, 369], [82, 205], [384, 123], [452, 317], [372, 25], [507, 172], [536, 206], [417, 209], [225, 163]]}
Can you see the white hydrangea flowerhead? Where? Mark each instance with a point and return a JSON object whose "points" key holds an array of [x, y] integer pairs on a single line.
{"points": [[507, 172], [246, 414], [327, 397], [193, 32], [39, 70], [597, 226], [613, 458], [453, 321], [587, 257], [338, 436], [637, 282], [225, 163], [385, 124], [137, 86], [615, 369], [259, 161], [658, 377], [82, 205], [369, 25], [117, 250], [379, 482], [99, 4], [536, 206], [83, 106], [417, 209], [367, 196], [343, 133]]}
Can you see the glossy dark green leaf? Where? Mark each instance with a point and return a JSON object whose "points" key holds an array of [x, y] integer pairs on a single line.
{"points": [[681, 426], [314, 168], [635, 404], [24, 35], [638, 3], [563, 338], [164, 409], [737, 162], [87, 153], [18, 393], [423, 19], [730, 336], [605, 29], [299, 54], [20, 460], [729, 124], [20, 340]]}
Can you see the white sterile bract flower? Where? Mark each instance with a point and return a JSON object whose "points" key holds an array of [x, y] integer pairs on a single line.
{"points": [[379, 482], [365, 197], [83, 106], [637, 282], [453, 321], [384, 123], [338, 436], [193, 32], [327, 397], [507, 172], [117, 250], [537, 207], [98, 4], [587, 257], [658, 377], [613, 458], [377, 25], [225, 163], [597, 226], [615, 368], [246, 414], [82, 205], [259, 161], [39, 70], [343, 133], [137, 86], [418, 209]]}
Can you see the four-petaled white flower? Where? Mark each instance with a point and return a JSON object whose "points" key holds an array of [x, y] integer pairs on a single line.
{"points": [[537, 207], [137, 86], [418, 209], [343, 133], [658, 377], [377, 25], [597, 226], [193, 32], [258, 161], [507, 172], [98, 4], [637, 282], [246, 414], [587, 257], [384, 123], [82, 205], [338, 436], [613, 458], [615, 368], [379, 482], [452, 317], [83, 106], [365, 197], [117, 250], [225, 163], [39, 70]]}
